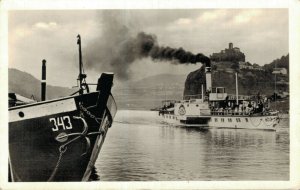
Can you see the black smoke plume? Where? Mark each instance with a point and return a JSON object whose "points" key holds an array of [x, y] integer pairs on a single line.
{"points": [[149, 47], [116, 50]]}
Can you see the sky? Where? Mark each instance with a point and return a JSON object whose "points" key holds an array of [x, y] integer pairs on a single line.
{"points": [[262, 34]]}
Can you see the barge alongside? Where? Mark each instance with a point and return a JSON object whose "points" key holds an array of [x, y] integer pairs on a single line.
{"points": [[60, 139]]}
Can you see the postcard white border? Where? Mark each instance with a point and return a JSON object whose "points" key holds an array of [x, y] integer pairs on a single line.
{"points": [[294, 51]]}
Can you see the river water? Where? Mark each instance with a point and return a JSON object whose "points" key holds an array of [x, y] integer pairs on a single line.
{"points": [[139, 147]]}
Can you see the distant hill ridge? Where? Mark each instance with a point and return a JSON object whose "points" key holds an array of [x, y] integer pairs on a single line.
{"points": [[27, 85], [141, 94]]}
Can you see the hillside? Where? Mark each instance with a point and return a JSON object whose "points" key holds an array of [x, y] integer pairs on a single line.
{"points": [[250, 81], [282, 62], [142, 94], [149, 92], [27, 85]]}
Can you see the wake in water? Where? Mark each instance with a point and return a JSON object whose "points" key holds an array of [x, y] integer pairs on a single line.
{"points": [[140, 148]]}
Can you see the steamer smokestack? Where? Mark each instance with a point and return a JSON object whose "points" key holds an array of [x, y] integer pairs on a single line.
{"points": [[208, 76], [43, 82]]}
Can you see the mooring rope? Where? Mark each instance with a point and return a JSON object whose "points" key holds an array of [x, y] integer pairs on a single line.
{"points": [[63, 148]]}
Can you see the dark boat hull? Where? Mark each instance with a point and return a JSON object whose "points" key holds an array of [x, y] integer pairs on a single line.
{"points": [[58, 140]]}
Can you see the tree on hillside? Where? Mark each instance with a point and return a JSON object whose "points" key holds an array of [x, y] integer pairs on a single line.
{"points": [[235, 66], [214, 67], [282, 62]]}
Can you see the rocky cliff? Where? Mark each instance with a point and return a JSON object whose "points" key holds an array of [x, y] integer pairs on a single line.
{"points": [[250, 82]]}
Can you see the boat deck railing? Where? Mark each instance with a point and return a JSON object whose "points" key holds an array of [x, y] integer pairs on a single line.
{"points": [[240, 97], [239, 113]]}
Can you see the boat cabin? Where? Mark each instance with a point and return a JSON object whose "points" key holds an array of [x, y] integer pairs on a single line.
{"points": [[217, 94]]}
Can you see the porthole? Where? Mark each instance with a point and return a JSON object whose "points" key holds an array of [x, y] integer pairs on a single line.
{"points": [[21, 114]]}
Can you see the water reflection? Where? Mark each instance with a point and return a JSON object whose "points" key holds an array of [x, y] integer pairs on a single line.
{"points": [[240, 137], [145, 150], [94, 175]]}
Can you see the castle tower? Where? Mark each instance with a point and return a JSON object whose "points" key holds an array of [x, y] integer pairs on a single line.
{"points": [[230, 45]]}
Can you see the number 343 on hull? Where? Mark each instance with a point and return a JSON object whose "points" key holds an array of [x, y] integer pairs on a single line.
{"points": [[60, 139]]}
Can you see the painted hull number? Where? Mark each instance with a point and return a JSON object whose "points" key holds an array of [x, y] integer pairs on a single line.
{"points": [[61, 123]]}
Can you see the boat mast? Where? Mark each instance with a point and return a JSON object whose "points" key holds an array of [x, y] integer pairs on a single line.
{"points": [[202, 94], [275, 93], [236, 89], [80, 76], [43, 82]]}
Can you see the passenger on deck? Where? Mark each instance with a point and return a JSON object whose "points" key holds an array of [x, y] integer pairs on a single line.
{"points": [[171, 105], [163, 110], [260, 107]]}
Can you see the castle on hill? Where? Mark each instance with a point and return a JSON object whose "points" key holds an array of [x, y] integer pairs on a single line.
{"points": [[234, 59], [229, 54]]}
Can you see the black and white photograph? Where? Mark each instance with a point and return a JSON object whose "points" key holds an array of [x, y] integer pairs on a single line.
{"points": [[158, 95]]}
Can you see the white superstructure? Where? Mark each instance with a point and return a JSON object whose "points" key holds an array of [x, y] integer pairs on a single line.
{"points": [[190, 113], [220, 109], [265, 122], [240, 112]]}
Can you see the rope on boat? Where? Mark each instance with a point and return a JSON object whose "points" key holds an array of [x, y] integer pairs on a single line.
{"points": [[103, 130], [83, 134], [63, 148], [89, 113]]}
